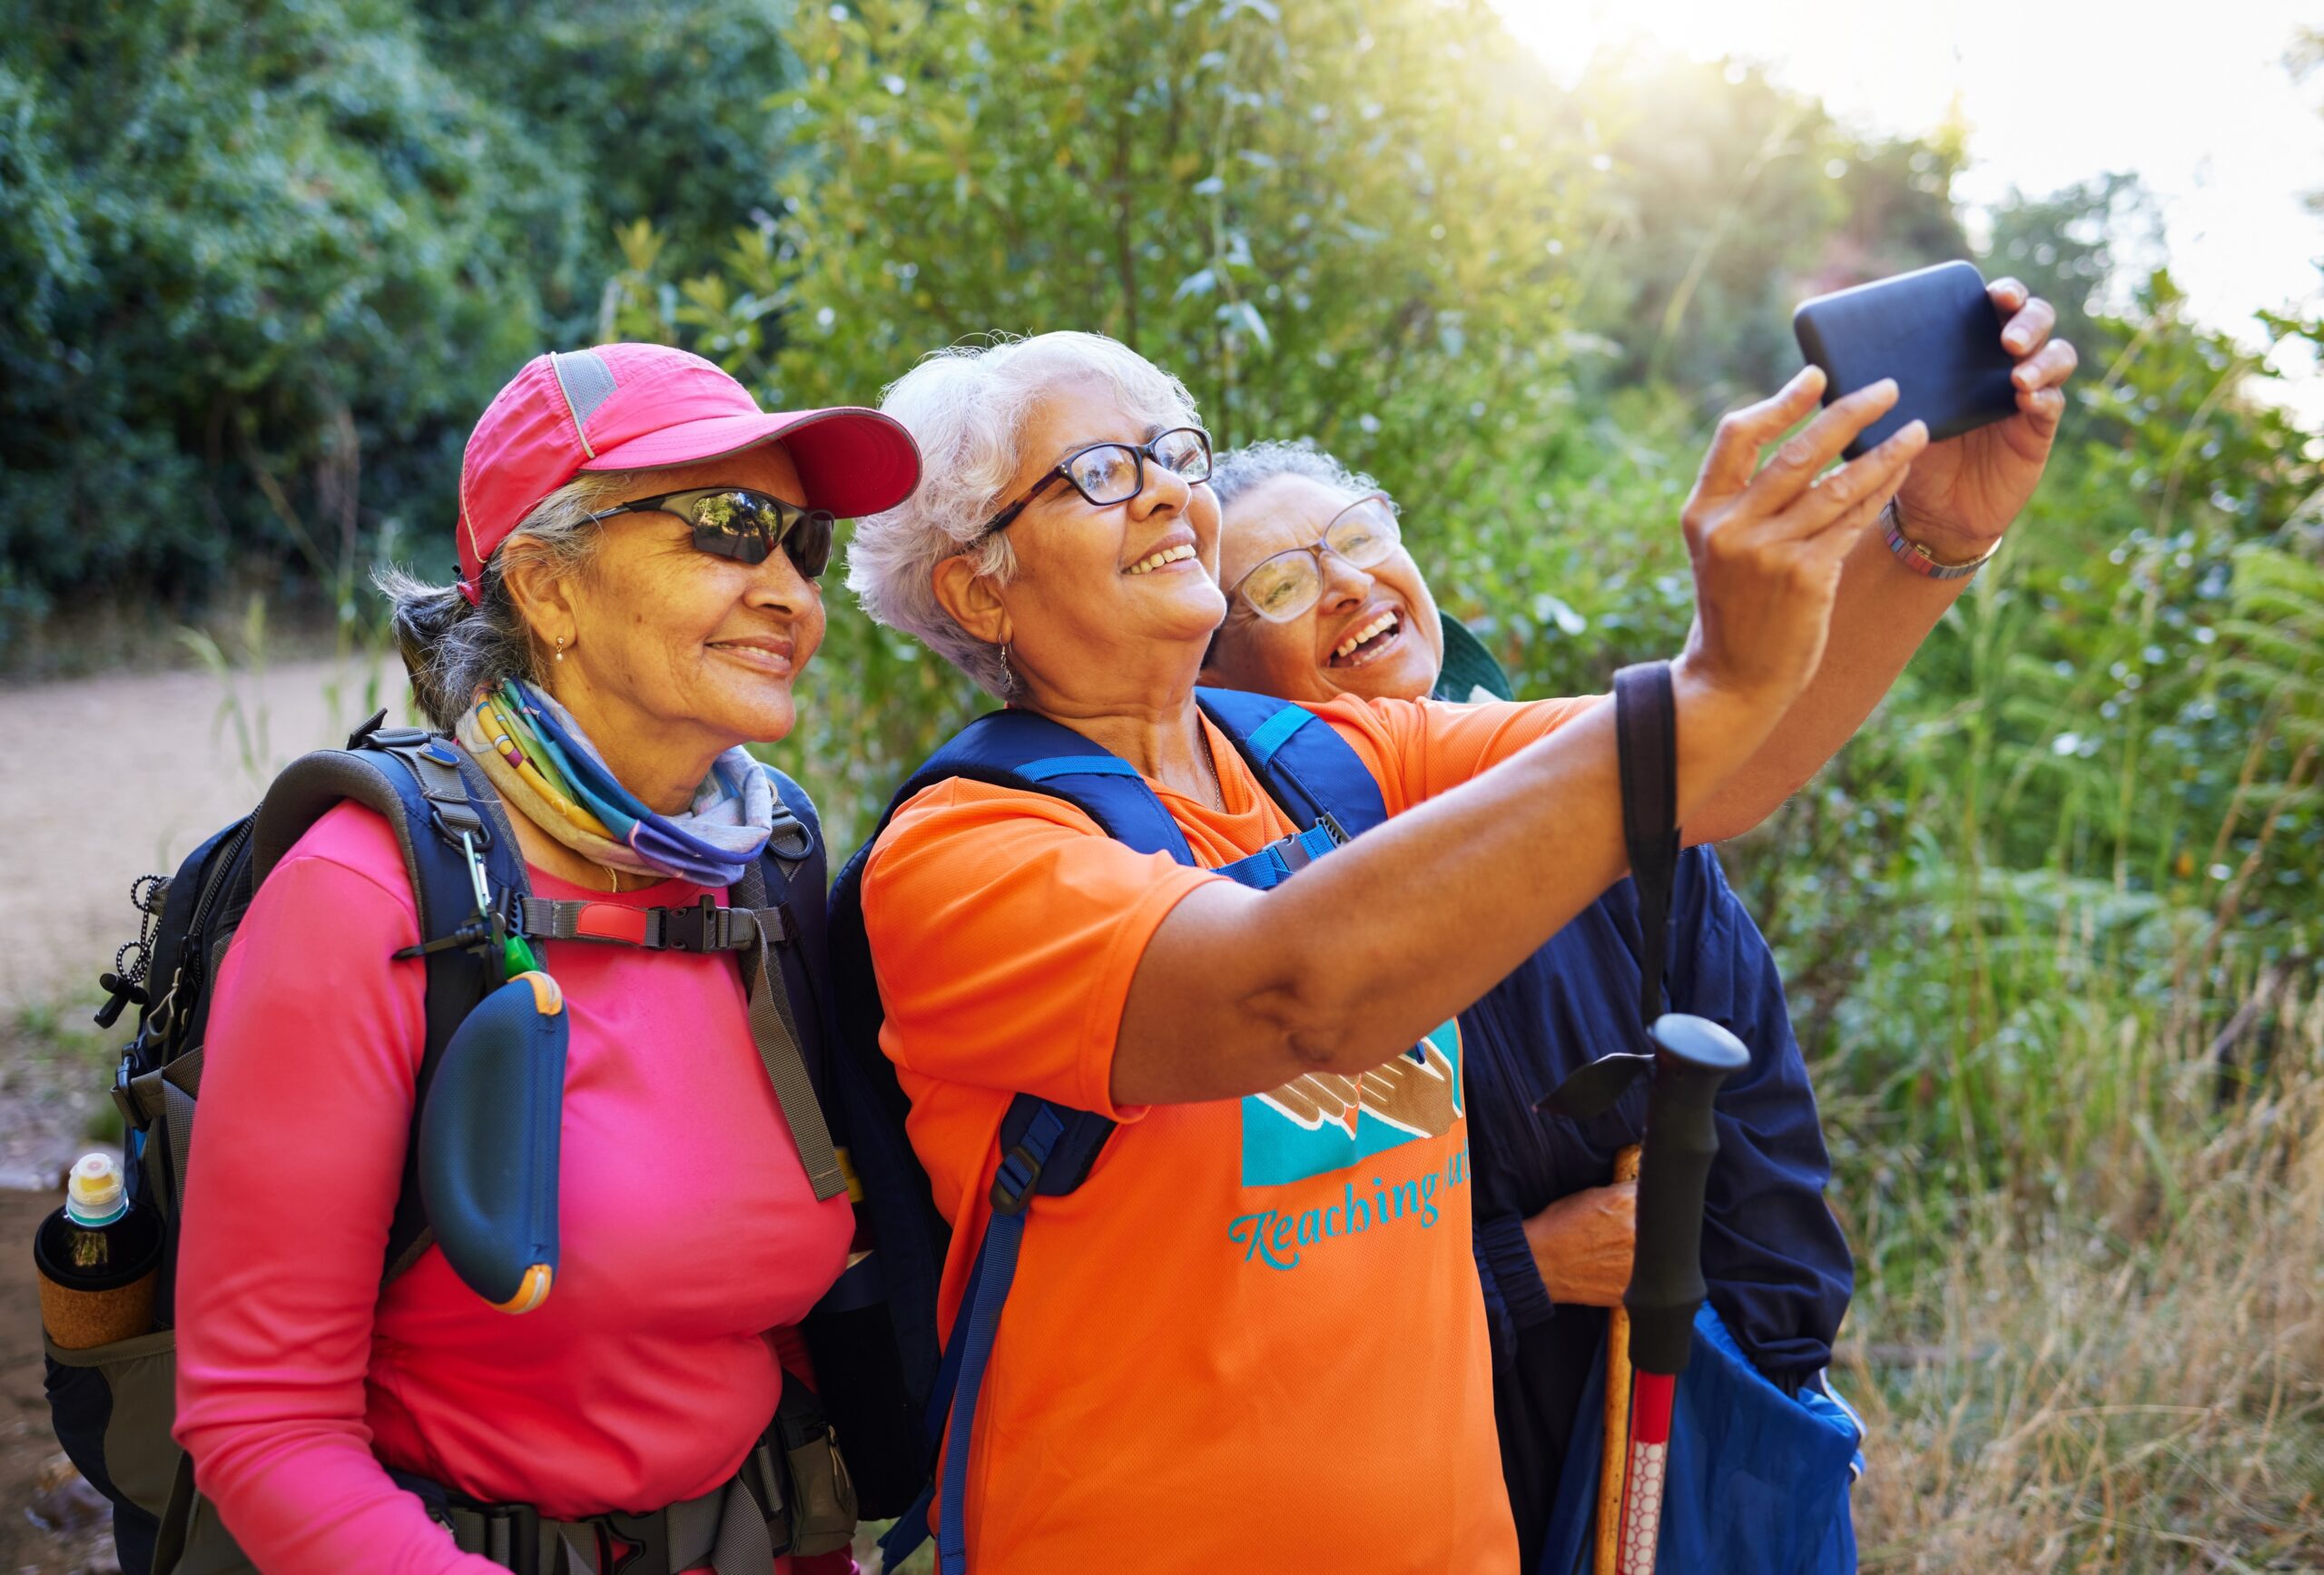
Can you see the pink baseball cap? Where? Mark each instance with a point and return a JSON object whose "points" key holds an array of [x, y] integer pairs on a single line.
{"points": [[634, 407]]}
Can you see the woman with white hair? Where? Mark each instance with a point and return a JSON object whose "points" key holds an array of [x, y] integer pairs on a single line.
{"points": [[1210, 1361]]}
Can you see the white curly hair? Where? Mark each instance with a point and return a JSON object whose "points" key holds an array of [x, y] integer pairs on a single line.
{"points": [[967, 407]]}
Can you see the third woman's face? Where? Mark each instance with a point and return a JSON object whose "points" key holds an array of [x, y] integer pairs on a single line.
{"points": [[1096, 583], [1372, 632]]}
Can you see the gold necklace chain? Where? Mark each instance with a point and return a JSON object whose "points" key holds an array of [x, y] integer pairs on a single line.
{"points": [[1210, 767]]}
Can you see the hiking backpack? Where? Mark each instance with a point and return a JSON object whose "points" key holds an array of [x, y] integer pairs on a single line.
{"points": [[1047, 1149], [113, 1405]]}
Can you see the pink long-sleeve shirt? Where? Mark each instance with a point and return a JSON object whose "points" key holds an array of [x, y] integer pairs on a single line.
{"points": [[688, 1232]]}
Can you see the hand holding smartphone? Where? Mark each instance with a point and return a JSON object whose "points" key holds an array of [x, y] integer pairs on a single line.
{"points": [[1934, 330]]}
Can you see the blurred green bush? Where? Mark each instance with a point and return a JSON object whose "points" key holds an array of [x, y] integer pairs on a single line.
{"points": [[263, 263]]}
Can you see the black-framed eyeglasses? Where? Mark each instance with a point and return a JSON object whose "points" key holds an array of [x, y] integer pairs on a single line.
{"points": [[737, 523], [1107, 473], [1281, 586]]}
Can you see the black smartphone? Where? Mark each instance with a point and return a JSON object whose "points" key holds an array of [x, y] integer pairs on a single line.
{"points": [[1934, 330]]}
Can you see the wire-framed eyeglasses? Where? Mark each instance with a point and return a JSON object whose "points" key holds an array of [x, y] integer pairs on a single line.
{"points": [[1283, 586]]}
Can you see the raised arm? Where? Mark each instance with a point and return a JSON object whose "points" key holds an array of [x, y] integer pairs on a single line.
{"points": [[1239, 991], [1957, 501]]}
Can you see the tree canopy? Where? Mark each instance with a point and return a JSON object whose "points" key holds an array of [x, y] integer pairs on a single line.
{"points": [[265, 263]]}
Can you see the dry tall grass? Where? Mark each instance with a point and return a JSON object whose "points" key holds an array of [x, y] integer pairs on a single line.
{"points": [[2129, 1377]]}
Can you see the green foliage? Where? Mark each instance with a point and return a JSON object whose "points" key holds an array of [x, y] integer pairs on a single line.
{"points": [[258, 284], [2072, 246], [1725, 201], [265, 263], [655, 109], [1325, 220], [1339, 220]]}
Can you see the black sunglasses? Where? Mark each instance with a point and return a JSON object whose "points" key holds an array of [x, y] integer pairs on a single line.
{"points": [[1109, 473], [736, 523]]}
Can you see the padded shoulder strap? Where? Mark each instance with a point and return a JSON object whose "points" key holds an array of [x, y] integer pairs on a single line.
{"points": [[1018, 749], [797, 871], [1009, 749], [1307, 767], [427, 792], [775, 1029], [799, 845]]}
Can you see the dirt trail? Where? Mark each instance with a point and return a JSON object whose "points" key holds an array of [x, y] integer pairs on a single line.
{"points": [[107, 779]]}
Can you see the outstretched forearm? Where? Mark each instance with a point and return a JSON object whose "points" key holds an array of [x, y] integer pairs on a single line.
{"points": [[1239, 991], [1882, 612]]}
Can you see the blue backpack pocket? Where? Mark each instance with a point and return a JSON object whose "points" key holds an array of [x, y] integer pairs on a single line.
{"points": [[489, 1143], [1758, 1480]]}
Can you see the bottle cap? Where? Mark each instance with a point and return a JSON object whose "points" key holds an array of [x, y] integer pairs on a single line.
{"points": [[94, 1194]]}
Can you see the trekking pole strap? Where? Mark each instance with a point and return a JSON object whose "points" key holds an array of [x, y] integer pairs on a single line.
{"points": [[1646, 730]]}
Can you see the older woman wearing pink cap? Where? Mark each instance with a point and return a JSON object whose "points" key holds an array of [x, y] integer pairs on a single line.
{"points": [[639, 548]]}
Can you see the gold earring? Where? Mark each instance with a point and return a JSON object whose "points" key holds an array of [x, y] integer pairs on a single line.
{"points": [[560, 647]]}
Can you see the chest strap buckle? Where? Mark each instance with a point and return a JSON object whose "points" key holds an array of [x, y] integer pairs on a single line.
{"points": [[705, 926]]}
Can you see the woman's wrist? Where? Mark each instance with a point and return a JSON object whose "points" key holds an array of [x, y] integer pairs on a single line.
{"points": [[1933, 548], [1555, 1244], [1721, 725], [1581, 1245]]}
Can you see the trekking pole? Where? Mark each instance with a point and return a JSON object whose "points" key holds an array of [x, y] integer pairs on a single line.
{"points": [[1692, 1056], [1618, 1407], [1649, 1336]]}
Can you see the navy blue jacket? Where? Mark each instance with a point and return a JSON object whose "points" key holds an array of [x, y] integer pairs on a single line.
{"points": [[1779, 1269]]}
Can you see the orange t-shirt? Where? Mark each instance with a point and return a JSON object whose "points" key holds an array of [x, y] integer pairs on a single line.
{"points": [[1252, 1339]]}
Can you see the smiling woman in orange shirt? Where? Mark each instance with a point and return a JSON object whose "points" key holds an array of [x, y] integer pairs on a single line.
{"points": [[1253, 1338]]}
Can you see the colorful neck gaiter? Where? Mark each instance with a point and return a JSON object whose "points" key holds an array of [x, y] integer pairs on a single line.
{"points": [[546, 766]]}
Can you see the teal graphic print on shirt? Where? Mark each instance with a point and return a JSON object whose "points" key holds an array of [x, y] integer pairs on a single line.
{"points": [[1325, 1122]]}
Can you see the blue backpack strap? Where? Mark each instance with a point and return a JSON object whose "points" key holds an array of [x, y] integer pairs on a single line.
{"points": [[1307, 767], [1047, 1150], [1276, 863], [1018, 749]]}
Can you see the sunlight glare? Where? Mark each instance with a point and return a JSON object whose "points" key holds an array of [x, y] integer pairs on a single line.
{"points": [[2230, 142]]}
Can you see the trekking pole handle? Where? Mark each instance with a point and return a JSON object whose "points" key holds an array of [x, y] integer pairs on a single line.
{"points": [[1692, 1056]]}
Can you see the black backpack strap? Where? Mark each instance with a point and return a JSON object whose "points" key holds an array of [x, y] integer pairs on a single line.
{"points": [[451, 829], [775, 1029], [1646, 730]]}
